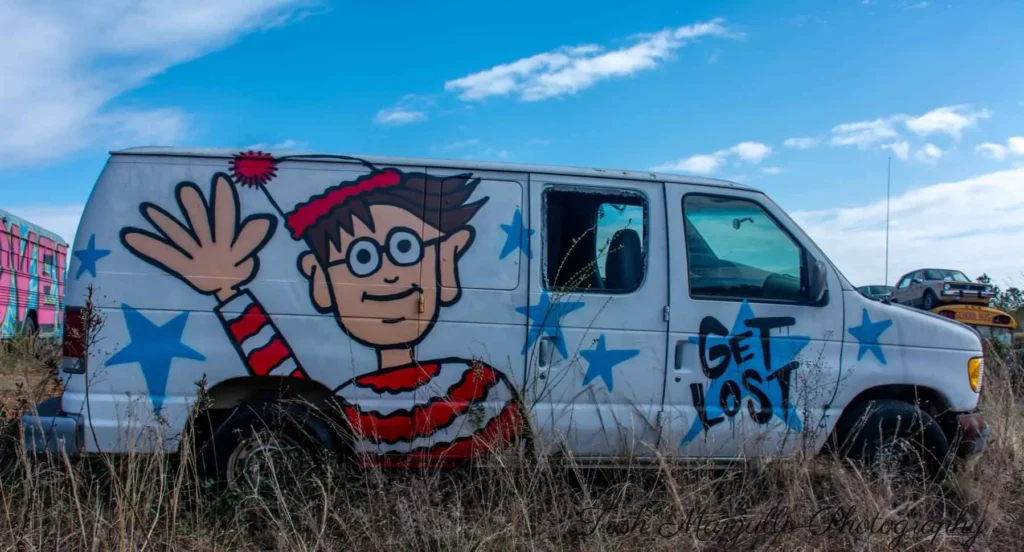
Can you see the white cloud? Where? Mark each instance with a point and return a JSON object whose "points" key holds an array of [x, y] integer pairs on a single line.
{"points": [[750, 152], [772, 170], [458, 144], [900, 149], [927, 228], [801, 143], [696, 164], [863, 134], [397, 117], [753, 152], [929, 153], [283, 145], [1016, 145], [63, 64], [59, 219], [570, 69], [992, 151], [411, 108], [951, 120]]}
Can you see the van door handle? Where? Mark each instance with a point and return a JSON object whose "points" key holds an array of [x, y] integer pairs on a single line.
{"points": [[545, 350], [679, 354]]}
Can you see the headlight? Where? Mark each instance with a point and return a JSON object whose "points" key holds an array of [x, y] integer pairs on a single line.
{"points": [[946, 287], [976, 372]]}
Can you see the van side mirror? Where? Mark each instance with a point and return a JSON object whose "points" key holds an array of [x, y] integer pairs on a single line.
{"points": [[817, 279]]}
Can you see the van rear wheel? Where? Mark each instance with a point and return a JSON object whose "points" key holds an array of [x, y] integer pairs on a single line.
{"points": [[265, 444], [891, 436]]}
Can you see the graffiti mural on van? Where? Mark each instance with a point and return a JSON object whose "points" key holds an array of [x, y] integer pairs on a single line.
{"points": [[381, 256], [745, 362], [32, 262]]}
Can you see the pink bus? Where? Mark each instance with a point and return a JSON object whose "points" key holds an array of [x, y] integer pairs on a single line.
{"points": [[32, 272]]}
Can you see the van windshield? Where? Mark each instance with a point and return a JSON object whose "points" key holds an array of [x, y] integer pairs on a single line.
{"points": [[946, 275]]}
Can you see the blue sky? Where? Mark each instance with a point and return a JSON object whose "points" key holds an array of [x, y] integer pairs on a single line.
{"points": [[711, 88]]}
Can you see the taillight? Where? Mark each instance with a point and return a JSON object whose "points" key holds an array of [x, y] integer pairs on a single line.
{"points": [[74, 341]]}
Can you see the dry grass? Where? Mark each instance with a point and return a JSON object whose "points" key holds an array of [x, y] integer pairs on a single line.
{"points": [[153, 502]]}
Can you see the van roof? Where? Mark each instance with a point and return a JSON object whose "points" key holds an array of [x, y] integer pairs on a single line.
{"points": [[226, 153]]}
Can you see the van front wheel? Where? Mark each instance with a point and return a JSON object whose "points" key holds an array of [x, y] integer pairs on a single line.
{"points": [[265, 444], [890, 435]]}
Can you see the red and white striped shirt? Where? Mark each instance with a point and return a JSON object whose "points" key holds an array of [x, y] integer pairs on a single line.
{"points": [[427, 412]]}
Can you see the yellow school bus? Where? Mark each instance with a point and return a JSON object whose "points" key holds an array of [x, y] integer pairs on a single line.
{"points": [[992, 323]]}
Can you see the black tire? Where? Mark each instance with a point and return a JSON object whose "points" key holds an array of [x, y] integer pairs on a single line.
{"points": [[874, 428], [267, 426], [929, 301]]}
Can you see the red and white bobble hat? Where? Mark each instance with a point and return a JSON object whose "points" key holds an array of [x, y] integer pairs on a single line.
{"points": [[299, 210]]}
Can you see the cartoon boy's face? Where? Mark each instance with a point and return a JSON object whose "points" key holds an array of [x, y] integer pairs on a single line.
{"points": [[386, 284]]}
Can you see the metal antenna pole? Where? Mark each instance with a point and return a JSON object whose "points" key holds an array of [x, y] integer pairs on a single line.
{"points": [[888, 187]]}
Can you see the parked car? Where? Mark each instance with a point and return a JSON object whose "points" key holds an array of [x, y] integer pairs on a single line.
{"points": [[451, 309], [876, 292], [931, 287]]}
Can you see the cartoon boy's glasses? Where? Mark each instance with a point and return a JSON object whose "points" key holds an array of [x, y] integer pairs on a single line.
{"points": [[403, 247]]}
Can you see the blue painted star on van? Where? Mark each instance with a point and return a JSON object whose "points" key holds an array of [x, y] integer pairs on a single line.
{"points": [[749, 363], [517, 236], [601, 360], [154, 348], [546, 318], [87, 258], [867, 335]]}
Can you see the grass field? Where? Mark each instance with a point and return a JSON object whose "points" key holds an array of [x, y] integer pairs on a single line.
{"points": [[155, 503]]}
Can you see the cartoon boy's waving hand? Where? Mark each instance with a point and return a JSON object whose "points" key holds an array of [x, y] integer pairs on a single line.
{"points": [[213, 251]]}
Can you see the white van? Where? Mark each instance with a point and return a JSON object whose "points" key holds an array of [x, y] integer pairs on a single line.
{"points": [[455, 308]]}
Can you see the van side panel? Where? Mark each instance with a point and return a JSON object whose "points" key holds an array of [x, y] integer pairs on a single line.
{"points": [[387, 285]]}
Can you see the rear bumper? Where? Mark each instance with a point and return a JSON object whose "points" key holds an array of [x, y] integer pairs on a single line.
{"points": [[971, 434], [49, 430]]}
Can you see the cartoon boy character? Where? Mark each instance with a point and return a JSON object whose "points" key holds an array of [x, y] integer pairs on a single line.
{"points": [[382, 257]]}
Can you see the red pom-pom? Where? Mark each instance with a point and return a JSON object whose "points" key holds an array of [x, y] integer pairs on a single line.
{"points": [[253, 168]]}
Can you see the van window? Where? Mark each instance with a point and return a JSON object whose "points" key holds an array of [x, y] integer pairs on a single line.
{"points": [[594, 241], [734, 249]]}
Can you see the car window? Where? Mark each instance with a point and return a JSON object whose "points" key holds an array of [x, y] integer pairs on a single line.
{"points": [[735, 249], [595, 241], [952, 276], [905, 282]]}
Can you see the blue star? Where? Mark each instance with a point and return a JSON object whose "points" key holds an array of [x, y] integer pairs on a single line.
{"points": [[750, 374], [600, 361], [153, 347], [87, 257], [546, 317], [867, 334], [517, 236]]}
